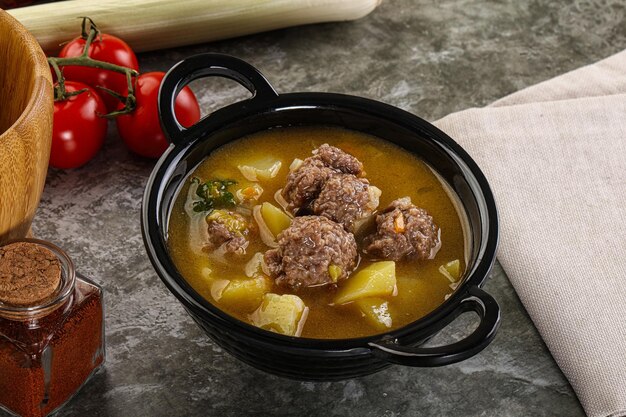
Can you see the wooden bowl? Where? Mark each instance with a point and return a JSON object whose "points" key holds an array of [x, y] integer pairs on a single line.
{"points": [[26, 110]]}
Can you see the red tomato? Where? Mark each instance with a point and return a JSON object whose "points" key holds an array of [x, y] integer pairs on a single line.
{"points": [[106, 48], [77, 131], [141, 129]]}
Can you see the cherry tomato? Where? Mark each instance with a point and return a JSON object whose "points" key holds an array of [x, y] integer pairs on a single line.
{"points": [[77, 130], [141, 129], [106, 48]]}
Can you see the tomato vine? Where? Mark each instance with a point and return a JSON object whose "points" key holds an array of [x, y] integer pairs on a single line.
{"points": [[90, 32]]}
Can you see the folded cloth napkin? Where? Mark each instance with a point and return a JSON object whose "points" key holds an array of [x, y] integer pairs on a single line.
{"points": [[555, 155]]}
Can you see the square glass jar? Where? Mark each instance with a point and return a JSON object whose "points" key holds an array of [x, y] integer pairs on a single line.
{"points": [[49, 351]]}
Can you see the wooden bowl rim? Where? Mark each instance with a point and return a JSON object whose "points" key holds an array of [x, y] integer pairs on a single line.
{"points": [[40, 72]]}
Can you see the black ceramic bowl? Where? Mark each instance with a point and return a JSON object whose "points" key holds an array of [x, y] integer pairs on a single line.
{"points": [[302, 358]]}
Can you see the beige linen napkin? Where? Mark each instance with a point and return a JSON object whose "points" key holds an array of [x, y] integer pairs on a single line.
{"points": [[555, 155]]}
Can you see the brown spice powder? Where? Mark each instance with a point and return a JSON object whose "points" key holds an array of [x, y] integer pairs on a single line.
{"points": [[29, 273]]}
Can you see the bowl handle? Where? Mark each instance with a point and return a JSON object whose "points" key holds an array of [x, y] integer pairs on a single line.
{"points": [[199, 66], [476, 300]]}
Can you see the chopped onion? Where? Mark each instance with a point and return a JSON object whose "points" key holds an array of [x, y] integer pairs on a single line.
{"points": [[266, 235], [218, 255], [217, 288], [454, 281], [433, 251], [278, 196], [252, 173], [206, 272], [192, 197], [297, 163], [254, 267], [198, 232], [374, 194], [303, 317], [443, 271], [363, 224]]}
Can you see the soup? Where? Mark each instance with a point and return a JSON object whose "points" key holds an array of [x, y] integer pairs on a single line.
{"points": [[318, 232]]}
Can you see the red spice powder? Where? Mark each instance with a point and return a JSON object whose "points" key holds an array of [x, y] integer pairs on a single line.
{"points": [[44, 360], [40, 370]]}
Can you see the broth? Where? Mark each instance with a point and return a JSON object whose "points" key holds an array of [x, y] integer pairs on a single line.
{"points": [[421, 287]]}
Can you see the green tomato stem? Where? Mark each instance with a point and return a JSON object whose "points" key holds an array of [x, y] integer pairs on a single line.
{"points": [[60, 92]]}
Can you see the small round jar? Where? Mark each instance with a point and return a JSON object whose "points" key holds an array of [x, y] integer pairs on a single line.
{"points": [[50, 349]]}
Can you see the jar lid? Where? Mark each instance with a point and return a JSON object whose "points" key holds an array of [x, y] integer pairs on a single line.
{"points": [[29, 274]]}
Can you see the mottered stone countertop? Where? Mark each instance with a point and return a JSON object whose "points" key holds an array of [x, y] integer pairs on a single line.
{"points": [[428, 57]]}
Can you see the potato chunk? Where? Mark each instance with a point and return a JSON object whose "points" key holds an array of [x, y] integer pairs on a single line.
{"points": [[375, 311], [275, 219], [284, 314], [241, 293], [376, 280]]}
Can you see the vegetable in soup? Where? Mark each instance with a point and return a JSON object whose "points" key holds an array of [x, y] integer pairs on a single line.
{"points": [[318, 232]]}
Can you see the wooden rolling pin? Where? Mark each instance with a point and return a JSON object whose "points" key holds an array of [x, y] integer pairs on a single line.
{"points": [[156, 24]]}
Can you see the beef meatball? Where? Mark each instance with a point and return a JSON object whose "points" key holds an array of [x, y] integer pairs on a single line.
{"points": [[339, 160], [312, 251], [403, 231], [345, 198], [227, 230], [305, 182]]}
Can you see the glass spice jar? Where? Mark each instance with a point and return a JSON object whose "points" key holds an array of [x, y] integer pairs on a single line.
{"points": [[51, 328]]}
